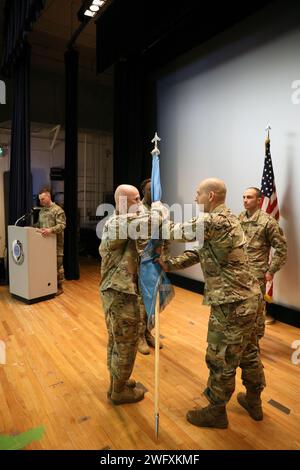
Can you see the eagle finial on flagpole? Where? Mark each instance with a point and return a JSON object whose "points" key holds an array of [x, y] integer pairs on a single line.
{"points": [[155, 140], [267, 129]]}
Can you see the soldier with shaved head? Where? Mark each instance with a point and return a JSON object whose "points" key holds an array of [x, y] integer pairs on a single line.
{"points": [[124, 237], [233, 294]]}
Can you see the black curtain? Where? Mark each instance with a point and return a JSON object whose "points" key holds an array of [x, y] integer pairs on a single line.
{"points": [[71, 263], [134, 121], [19, 17], [20, 190]]}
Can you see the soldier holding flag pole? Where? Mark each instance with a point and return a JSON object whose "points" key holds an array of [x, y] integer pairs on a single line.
{"points": [[234, 296], [125, 244]]}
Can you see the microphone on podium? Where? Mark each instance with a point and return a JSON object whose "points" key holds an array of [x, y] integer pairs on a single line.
{"points": [[24, 217]]}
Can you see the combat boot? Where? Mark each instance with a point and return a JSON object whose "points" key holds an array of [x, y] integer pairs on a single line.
{"points": [[122, 393], [252, 403], [143, 347], [212, 416], [131, 383], [151, 340]]}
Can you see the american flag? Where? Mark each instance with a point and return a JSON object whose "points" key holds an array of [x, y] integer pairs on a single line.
{"points": [[269, 203]]}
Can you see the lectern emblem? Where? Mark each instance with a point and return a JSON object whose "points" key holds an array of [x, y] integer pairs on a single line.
{"points": [[17, 252]]}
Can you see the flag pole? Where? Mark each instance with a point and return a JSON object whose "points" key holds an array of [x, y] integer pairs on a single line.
{"points": [[156, 151], [156, 378], [269, 284]]}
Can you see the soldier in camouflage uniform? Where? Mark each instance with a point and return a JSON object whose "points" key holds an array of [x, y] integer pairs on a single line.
{"points": [[52, 219], [120, 252], [262, 233], [233, 294]]}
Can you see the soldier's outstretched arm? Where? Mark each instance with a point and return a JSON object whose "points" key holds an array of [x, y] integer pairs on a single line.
{"points": [[187, 259], [136, 227], [196, 229]]}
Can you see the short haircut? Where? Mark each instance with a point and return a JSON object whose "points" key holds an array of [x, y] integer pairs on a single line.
{"points": [[143, 184], [45, 189], [258, 191], [215, 185]]}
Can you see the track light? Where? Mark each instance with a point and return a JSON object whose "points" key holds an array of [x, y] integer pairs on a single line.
{"points": [[94, 8], [89, 13], [88, 9]]}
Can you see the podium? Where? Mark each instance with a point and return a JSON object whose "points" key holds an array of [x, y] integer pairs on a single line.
{"points": [[32, 264]]}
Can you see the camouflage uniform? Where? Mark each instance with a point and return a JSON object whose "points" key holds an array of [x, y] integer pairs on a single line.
{"points": [[54, 217], [233, 294], [263, 232], [119, 291]]}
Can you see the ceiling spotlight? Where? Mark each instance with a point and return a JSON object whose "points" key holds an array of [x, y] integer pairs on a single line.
{"points": [[89, 13], [94, 8], [88, 9]]}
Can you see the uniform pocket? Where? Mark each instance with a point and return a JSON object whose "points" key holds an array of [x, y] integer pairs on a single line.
{"points": [[243, 314], [223, 358], [125, 320]]}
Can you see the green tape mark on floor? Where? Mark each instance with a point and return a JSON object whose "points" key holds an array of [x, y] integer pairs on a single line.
{"points": [[21, 440]]}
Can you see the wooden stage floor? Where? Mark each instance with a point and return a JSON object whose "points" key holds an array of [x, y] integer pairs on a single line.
{"points": [[55, 376]]}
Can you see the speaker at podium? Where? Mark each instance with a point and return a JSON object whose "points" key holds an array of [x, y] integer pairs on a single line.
{"points": [[32, 264]]}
